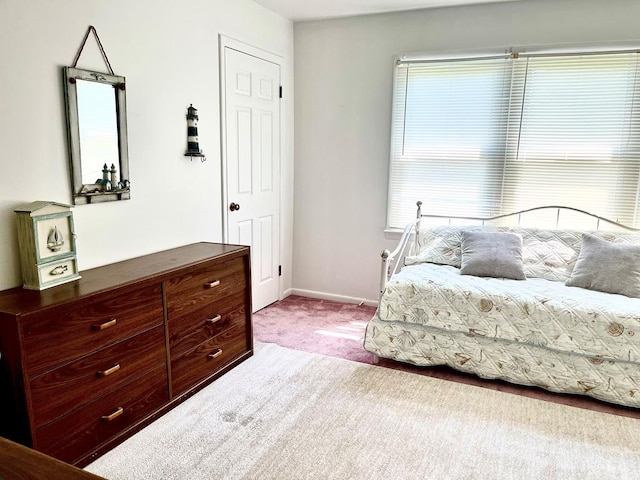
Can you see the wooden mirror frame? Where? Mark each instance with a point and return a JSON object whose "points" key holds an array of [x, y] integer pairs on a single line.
{"points": [[94, 193]]}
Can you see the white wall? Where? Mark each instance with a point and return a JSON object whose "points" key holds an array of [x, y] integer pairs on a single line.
{"points": [[168, 52], [343, 84]]}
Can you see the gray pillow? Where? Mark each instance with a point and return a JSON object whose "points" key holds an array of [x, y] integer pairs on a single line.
{"points": [[492, 254], [607, 267]]}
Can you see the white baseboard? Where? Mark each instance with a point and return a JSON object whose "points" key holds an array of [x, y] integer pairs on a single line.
{"points": [[331, 296]]}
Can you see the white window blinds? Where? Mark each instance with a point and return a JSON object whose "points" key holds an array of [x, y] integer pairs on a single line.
{"points": [[489, 136]]}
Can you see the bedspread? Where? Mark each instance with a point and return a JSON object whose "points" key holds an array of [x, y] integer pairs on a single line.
{"points": [[534, 311]]}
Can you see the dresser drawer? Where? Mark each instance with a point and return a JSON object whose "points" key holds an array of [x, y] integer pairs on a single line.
{"points": [[93, 376], [186, 293], [77, 433], [63, 333], [189, 331], [60, 271], [207, 358]]}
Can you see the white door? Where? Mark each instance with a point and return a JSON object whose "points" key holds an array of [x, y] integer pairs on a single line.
{"points": [[251, 139]]}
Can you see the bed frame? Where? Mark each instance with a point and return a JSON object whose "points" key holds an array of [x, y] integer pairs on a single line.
{"points": [[548, 216], [494, 357]]}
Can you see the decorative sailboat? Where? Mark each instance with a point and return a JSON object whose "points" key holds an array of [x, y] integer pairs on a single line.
{"points": [[55, 240]]}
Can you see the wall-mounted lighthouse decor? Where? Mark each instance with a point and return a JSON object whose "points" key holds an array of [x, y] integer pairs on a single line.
{"points": [[193, 146], [47, 244]]}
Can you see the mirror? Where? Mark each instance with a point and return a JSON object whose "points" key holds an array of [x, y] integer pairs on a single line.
{"points": [[97, 135]]}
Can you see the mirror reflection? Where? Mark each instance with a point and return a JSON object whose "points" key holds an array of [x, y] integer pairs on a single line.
{"points": [[97, 134], [98, 128]]}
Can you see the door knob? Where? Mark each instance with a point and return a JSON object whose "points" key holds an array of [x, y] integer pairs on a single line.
{"points": [[234, 206]]}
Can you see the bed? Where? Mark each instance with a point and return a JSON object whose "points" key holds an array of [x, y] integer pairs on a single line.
{"points": [[550, 326]]}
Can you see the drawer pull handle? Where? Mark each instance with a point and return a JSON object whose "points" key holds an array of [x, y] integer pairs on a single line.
{"points": [[215, 283], [108, 371], [105, 325], [59, 270], [213, 320], [113, 416], [215, 354]]}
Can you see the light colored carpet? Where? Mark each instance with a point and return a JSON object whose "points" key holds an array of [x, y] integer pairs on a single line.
{"points": [[285, 414]]}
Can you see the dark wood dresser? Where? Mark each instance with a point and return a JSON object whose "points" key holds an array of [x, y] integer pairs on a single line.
{"points": [[87, 364]]}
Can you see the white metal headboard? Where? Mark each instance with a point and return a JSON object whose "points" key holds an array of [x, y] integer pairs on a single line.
{"points": [[554, 214], [548, 216]]}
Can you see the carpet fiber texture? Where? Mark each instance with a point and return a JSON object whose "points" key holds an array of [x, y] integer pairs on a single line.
{"points": [[285, 414]]}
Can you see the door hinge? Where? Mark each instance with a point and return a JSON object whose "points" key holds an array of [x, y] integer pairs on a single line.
{"points": [[280, 91], [279, 270]]}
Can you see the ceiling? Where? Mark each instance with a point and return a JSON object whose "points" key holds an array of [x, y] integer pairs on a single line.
{"points": [[298, 10]]}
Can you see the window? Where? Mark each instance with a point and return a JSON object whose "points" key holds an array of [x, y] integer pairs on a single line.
{"points": [[481, 137]]}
